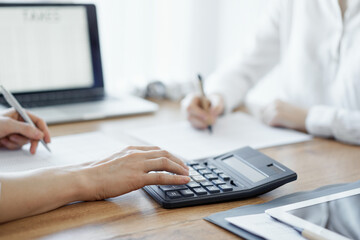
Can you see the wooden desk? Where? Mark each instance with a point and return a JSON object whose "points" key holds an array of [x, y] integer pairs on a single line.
{"points": [[137, 216]]}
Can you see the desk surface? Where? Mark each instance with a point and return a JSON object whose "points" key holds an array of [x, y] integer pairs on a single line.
{"points": [[136, 216]]}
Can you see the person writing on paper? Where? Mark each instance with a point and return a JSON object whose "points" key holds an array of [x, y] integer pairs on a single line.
{"points": [[33, 192], [15, 133], [299, 71]]}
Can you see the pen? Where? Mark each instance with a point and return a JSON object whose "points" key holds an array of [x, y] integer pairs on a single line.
{"points": [[15, 104], [203, 99], [311, 235]]}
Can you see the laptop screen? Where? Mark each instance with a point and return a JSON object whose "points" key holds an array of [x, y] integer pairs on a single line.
{"points": [[48, 47]]}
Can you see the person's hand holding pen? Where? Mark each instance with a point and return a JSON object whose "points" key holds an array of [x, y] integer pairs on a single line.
{"points": [[14, 132], [203, 112]]}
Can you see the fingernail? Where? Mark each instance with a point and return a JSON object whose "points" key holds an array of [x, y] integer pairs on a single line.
{"points": [[185, 179]]}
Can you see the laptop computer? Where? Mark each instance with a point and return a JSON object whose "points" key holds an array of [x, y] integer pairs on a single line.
{"points": [[50, 60]]}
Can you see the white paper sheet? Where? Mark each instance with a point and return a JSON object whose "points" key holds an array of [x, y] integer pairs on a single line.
{"points": [[229, 133], [265, 226], [65, 150]]}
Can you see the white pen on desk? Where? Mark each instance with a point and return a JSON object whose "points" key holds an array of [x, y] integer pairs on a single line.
{"points": [[204, 105], [16, 105]]}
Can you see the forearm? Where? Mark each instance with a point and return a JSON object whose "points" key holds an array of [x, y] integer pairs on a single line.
{"points": [[342, 124], [29, 193], [26, 194]]}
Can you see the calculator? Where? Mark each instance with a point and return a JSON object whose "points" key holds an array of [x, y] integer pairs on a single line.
{"points": [[238, 174]]}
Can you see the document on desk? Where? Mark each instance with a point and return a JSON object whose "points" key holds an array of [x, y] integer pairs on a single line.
{"points": [[229, 133], [264, 226], [65, 150]]}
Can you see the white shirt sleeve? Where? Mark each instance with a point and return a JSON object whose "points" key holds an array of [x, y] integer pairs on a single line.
{"points": [[261, 54], [326, 121]]}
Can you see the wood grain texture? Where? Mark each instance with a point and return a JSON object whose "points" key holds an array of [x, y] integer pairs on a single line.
{"points": [[136, 216]]}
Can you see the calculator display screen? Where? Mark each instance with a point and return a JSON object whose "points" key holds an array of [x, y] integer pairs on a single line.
{"points": [[244, 169]]}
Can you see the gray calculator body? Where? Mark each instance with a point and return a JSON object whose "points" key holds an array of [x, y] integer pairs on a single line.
{"points": [[242, 173]]}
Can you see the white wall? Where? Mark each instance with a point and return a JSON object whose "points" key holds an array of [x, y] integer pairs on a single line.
{"points": [[239, 19], [172, 40]]}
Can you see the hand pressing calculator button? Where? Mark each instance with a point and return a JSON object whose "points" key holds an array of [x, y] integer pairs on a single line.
{"points": [[236, 175]]}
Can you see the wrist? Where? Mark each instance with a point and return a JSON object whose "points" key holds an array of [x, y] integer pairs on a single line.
{"points": [[78, 183], [88, 182], [302, 118]]}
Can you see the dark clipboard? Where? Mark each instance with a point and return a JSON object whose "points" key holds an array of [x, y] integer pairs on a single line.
{"points": [[219, 218]]}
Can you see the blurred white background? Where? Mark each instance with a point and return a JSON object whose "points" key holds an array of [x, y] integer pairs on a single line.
{"points": [[170, 40]]}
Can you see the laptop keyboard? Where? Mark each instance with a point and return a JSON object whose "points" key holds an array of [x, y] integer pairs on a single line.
{"points": [[51, 99]]}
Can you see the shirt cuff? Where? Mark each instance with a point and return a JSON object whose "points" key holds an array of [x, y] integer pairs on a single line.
{"points": [[319, 121]]}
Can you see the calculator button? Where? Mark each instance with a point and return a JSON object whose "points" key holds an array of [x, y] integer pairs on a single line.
{"points": [[193, 184], [218, 182], [192, 169], [205, 171], [213, 189], [187, 193], [173, 194], [193, 164], [211, 176], [193, 173], [167, 188], [206, 184], [200, 191], [225, 188], [199, 167], [224, 176], [217, 171], [198, 178]]}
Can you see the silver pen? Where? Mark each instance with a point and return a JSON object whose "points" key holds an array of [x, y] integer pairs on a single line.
{"points": [[15, 104]]}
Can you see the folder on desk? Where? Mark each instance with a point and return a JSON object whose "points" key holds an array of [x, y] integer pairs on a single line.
{"points": [[220, 218]]}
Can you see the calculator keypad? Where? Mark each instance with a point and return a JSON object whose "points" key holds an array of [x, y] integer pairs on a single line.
{"points": [[204, 180]]}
